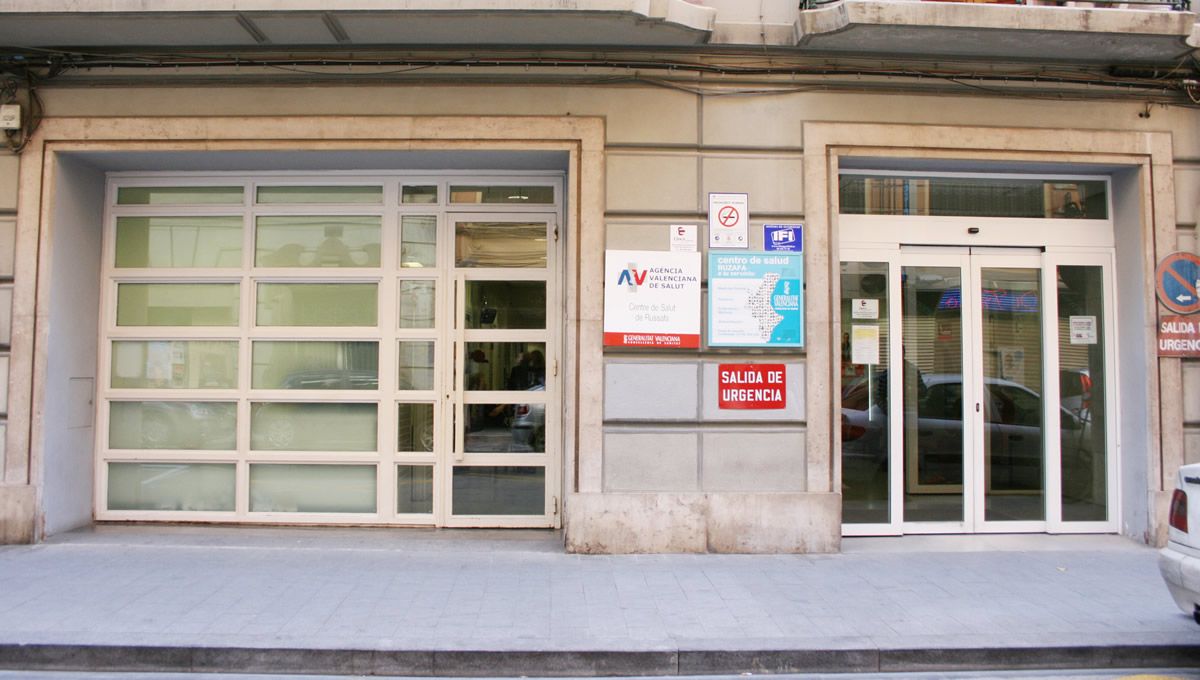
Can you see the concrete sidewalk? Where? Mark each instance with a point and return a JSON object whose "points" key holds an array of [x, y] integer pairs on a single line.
{"points": [[461, 603]]}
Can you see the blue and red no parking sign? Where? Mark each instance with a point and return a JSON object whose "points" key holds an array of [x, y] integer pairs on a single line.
{"points": [[1177, 281]]}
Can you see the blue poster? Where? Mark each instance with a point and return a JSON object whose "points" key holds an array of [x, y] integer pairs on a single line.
{"points": [[755, 299]]}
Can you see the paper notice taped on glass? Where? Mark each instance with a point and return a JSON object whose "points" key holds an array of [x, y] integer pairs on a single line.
{"points": [[864, 344]]}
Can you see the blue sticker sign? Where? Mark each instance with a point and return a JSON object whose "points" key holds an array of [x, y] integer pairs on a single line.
{"points": [[787, 238], [755, 300], [1177, 281]]}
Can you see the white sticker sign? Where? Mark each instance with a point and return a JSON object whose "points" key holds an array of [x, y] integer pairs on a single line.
{"points": [[651, 299], [728, 221], [683, 238], [864, 308], [1083, 330]]}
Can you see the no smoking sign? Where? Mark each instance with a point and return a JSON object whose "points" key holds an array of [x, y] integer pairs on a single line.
{"points": [[728, 221]]}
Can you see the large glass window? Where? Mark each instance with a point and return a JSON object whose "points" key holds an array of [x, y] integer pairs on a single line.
{"points": [[865, 194], [318, 348]]}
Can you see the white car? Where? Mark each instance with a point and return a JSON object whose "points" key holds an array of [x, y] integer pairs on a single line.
{"points": [[1179, 562]]}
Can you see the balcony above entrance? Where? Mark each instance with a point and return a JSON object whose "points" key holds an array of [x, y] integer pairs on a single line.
{"points": [[1131, 33], [234, 24]]}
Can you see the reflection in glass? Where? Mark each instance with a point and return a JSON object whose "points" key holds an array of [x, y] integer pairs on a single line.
{"points": [[417, 303], [506, 428], [287, 365], [418, 241], [416, 365], [325, 241], [171, 486], [504, 365], [540, 195], [312, 488], [179, 196], [932, 337], [500, 244], [1013, 452], [506, 304], [499, 491], [1081, 378], [415, 428], [199, 425], [418, 194], [317, 304], [973, 197], [179, 242], [865, 452], [308, 426], [174, 364], [177, 304], [414, 489], [326, 194]]}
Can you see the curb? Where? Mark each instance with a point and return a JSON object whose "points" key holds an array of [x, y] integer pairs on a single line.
{"points": [[481, 663]]}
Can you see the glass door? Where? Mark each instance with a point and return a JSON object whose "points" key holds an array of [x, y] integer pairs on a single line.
{"points": [[502, 463], [1001, 424]]}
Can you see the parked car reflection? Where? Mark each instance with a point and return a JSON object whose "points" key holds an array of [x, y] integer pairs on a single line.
{"points": [[1013, 434]]}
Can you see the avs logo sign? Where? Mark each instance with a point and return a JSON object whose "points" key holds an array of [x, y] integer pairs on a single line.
{"points": [[632, 277], [651, 299]]}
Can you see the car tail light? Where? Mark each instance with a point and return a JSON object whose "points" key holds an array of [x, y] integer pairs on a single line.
{"points": [[1085, 392], [1179, 511], [522, 409], [851, 432]]}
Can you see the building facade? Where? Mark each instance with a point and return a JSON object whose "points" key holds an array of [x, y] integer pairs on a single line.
{"points": [[271, 263]]}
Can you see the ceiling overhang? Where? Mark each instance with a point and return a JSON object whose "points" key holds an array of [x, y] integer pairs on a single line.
{"points": [[240, 24]]}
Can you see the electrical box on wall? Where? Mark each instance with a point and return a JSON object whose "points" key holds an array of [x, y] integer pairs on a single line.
{"points": [[10, 117]]}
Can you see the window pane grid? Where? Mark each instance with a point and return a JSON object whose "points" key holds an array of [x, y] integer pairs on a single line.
{"points": [[185, 360]]}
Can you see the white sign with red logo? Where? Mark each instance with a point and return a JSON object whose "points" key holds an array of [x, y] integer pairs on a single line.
{"points": [[752, 386], [728, 221], [651, 299], [683, 238]]}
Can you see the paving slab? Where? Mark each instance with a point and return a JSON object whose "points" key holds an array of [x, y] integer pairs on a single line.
{"points": [[495, 603]]}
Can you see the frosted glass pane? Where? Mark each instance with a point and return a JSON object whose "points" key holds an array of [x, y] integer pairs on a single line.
{"points": [[312, 488], [499, 491], [174, 364], [316, 365], [6, 297], [171, 486], [505, 304], [8, 244], [414, 489], [418, 241], [417, 302], [416, 365], [177, 304], [179, 242], [325, 241], [418, 194], [202, 425], [326, 194], [179, 195], [500, 244], [502, 194], [415, 428], [317, 304], [307, 426]]}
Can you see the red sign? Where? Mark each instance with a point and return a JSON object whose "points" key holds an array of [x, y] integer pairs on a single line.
{"points": [[751, 386], [1179, 336], [681, 340]]}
